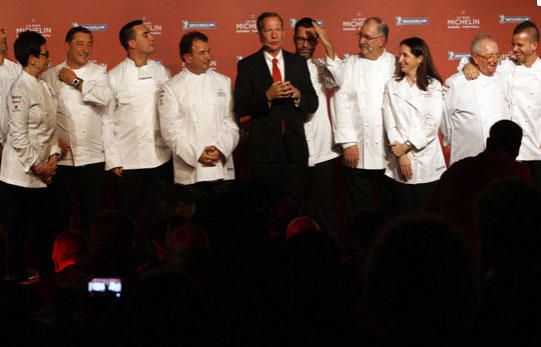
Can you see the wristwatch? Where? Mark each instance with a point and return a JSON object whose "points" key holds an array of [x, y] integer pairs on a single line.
{"points": [[76, 82], [410, 146]]}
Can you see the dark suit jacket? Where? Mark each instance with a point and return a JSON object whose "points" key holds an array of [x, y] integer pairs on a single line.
{"points": [[266, 141]]}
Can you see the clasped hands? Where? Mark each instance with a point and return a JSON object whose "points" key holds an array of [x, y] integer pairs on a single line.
{"points": [[210, 156], [282, 90], [46, 171]]}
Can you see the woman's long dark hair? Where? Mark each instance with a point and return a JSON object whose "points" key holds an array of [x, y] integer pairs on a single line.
{"points": [[426, 70]]}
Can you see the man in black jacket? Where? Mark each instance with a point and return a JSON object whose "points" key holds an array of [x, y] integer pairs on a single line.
{"points": [[273, 87]]}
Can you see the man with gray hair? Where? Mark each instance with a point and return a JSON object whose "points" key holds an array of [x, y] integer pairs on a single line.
{"points": [[523, 83], [358, 120], [473, 106]]}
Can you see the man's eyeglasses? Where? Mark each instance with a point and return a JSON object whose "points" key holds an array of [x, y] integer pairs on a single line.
{"points": [[489, 57], [368, 38], [44, 54], [300, 39]]}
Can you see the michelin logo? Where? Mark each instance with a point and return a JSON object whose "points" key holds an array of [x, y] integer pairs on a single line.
{"points": [[512, 19], [411, 21], [457, 55], [91, 27], [187, 25]]}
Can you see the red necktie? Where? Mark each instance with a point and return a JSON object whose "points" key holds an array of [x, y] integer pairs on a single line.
{"points": [[276, 74]]}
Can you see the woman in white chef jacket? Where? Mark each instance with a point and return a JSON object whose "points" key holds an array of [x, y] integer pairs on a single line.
{"points": [[412, 112], [30, 154]]}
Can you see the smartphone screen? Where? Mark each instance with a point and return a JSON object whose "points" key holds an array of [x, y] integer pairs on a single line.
{"points": [[105, 286]]}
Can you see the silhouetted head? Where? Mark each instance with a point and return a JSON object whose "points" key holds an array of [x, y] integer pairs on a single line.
{"points": [[506, 136]]}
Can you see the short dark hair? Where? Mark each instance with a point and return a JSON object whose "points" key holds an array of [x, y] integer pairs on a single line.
{"points": [[27, 44], [529, 27], [186, 42], [505, 135], [426, 70], [265, 15], [78, 29], [305, 22], [127, 33]]}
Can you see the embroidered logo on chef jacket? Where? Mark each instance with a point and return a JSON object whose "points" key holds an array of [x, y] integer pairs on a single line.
{"points": [[16, 100], [221, 93]]}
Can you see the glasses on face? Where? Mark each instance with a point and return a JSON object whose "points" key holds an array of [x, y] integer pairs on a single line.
{"points": [[489, 57], [44, 54], [300, 39], [368, 38]]}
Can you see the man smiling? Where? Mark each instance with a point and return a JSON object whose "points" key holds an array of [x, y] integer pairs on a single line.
{"points": [[472, 107], [83, 95]]}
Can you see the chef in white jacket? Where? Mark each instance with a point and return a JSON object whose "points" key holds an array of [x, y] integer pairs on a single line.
{"points": [[473, 106], [135, 151], [357, 120], [318, 129], [83, 93], [523, 77], [412, 112], [196, 118], [29, 156], [9, 71]]}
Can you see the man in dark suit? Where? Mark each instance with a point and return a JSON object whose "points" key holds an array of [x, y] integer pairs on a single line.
{"points": [[273, 87]]}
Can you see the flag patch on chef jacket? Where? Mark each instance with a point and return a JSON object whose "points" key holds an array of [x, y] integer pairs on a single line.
{"points": [[16, 100]]}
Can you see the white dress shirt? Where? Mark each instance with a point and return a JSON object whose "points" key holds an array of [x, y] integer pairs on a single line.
{"points": [[472, 107], [357, 103], [131, 127], [318, 129], [32, 131], [196, 111], [414, 115], [9, 71], [80, 114], [280, 62]]}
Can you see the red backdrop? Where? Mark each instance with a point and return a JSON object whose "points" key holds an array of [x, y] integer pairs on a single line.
{"points": [[447, 26]]}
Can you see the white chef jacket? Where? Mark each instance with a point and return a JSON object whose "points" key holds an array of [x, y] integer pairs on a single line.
{"points": [[32, 131], [317, 128], [357, 103], [131, 129], [9, 71], [414, 115], [79, 115], [196, 111], [471, 108], [524, 87]]}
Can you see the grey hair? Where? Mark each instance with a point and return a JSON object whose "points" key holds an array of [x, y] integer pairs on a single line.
{"points": [[476, 42]]}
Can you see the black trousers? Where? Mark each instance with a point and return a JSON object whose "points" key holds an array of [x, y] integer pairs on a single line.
{"points": [[137, 192], [408, 199], [364, 190], [282, 179], [78, 189], [28, 213], [320, 189]]}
